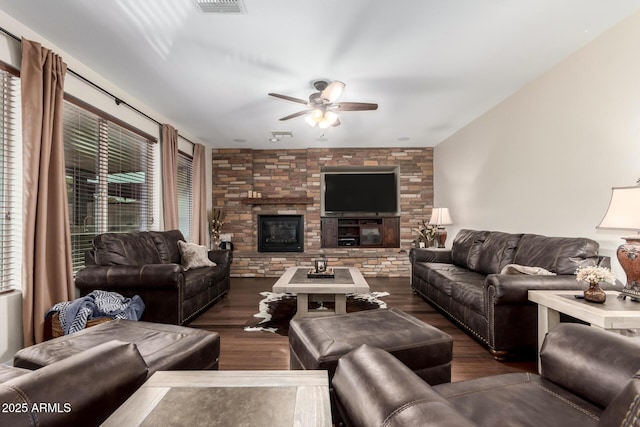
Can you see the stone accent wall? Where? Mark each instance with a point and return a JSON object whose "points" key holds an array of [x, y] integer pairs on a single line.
{"points": [[295, 174]]}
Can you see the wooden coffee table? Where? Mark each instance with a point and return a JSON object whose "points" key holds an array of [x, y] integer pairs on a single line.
{"points": [[347, 280], [222, 398]]}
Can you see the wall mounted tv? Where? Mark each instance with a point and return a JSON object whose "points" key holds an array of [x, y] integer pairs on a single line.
{"points": [[366, 191]]}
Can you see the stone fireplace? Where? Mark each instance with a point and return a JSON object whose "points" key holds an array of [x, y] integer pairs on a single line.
{"points": [[280, 233]]}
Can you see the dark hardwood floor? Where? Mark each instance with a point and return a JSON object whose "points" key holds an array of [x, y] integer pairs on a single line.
{"points": [[242, 350]]}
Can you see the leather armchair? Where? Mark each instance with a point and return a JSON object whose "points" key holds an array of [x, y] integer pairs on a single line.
{"points": [[82, 390], [590, 377]]}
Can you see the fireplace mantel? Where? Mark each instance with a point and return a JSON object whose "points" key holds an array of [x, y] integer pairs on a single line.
{"points": [[278, 200]]}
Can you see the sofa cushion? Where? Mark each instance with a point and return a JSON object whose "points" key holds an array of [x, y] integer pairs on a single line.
{"points": [[444, 276], [465, 250], [498, 250], [469, 293], [135, 248], [531, 401], [560, 255], [196, 281], [167, 245], [194, 256], [9, 372]]}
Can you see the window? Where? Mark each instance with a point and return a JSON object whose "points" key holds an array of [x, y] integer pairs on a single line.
{"points": [[109, 173], [10, 182], [185, 194]]}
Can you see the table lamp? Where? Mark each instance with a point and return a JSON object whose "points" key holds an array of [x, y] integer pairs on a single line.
{"points": [[623, 214], [440, 217]]}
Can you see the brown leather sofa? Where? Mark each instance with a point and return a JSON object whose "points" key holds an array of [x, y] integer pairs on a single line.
{"points": [[148, 264], [81, 390], [590, 377], [465, 282]]}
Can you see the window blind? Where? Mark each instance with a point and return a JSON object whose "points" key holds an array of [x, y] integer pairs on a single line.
{"points": [[10, 182], [109, 173], [185, 194]]}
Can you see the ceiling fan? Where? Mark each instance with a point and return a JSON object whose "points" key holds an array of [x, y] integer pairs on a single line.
{"points": [[322, 107]]}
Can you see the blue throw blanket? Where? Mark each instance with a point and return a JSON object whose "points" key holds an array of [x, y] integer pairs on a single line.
{"points": [[73, 315]]}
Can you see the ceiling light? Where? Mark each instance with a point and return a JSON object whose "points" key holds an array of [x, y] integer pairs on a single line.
{"points": [[282, 134], [310, 121], [330, 117], [221, 6], [322, 118]]}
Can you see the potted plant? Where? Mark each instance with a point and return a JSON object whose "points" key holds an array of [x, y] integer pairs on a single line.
{"points": [[594, 276], [426, 234]]}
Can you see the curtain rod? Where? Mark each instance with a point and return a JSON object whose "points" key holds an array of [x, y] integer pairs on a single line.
{"points": [[117, 100]]}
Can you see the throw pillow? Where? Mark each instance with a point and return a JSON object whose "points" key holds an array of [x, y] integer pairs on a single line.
{"points": [[194, 256], [523, 269]]}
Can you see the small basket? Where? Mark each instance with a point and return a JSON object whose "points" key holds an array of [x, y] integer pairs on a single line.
{"points": [[56, 327]]}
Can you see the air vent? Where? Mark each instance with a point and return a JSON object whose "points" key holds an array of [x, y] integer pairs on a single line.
{"points": [[221, 6]]}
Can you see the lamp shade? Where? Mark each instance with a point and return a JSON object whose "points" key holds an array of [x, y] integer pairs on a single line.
{"points": [[440, 216], [624, 209]]}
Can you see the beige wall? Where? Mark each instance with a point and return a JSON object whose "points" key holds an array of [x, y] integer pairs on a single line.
{"points": [[544, 160]]}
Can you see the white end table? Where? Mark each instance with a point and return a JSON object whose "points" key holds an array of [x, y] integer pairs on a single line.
{"points": [[614, 314]]}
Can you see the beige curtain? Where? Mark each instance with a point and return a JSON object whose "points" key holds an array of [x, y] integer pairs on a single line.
{"points": [[47, 269], [199, 224], [170, 176]]}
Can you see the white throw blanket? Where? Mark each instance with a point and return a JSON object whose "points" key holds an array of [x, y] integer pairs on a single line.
{"points": [[524, 269]]}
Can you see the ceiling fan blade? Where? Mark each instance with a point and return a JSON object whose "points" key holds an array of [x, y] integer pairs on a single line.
{"points": [[355, 106], [294, 115], [289, 98], [336, 123], [332, 92]]}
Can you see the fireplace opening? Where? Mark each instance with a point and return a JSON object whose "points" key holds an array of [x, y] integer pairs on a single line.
{"points": [[280, 233]]}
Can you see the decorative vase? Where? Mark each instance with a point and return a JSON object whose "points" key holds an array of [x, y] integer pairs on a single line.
{"points": [[215, 240], [595, 294]]}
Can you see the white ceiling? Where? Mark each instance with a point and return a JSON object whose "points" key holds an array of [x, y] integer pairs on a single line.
{"points": [[431, 65]]}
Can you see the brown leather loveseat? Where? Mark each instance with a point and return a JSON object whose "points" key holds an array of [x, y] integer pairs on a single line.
{"points": [[590, 377], [466, 285], [148, 264]]}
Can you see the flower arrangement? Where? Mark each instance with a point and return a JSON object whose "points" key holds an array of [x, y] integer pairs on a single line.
{"points": [[216, 219], [595, 275], [426, 232]]}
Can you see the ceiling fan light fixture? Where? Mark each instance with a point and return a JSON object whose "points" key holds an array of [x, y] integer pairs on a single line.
{"points": [[330, 117], [324, 124], [317, 115], [333, 91], [310, 121]]}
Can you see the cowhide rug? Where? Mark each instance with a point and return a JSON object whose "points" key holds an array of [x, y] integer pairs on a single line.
{"points": [[276, 310]]}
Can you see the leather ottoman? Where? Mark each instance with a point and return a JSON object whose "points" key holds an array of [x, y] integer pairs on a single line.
{"points": [[163, 347], [318, 343]]}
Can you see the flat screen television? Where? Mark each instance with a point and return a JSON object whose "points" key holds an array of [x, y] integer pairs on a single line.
{"points": [[360, 192]]}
